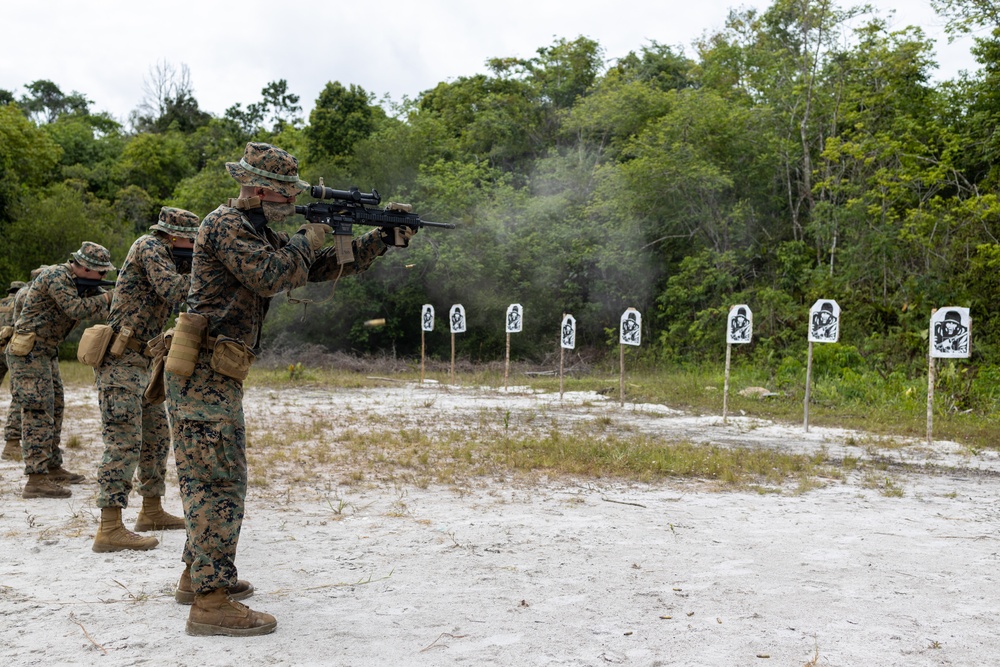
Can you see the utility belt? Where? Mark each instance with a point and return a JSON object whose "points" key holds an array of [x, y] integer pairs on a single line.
{"points": [[101, 339], [231, 357]]}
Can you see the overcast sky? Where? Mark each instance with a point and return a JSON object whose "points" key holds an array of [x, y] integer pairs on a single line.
{"points": [[106, 48]]}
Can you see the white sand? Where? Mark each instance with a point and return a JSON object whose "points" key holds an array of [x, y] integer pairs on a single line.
{"points": [[554, 573]]}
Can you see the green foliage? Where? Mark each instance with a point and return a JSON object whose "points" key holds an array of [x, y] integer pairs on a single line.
{"points": [[802, 152], [46, 230], [342, 117], [154, 162]]}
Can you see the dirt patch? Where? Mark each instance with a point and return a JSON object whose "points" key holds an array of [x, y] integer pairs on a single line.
{"points": [[518, 571]]}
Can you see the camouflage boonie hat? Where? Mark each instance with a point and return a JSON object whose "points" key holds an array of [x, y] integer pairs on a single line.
{"points": [[265, 166], [94, 257], [15, 286], [177, 222]]}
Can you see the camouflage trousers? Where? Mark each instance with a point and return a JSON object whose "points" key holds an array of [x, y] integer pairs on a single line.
{"points": [[135, 432], [12, 425], [37, 387], [206, 412]]}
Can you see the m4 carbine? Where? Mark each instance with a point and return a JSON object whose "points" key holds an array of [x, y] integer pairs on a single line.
{"points": [[345, 208]]}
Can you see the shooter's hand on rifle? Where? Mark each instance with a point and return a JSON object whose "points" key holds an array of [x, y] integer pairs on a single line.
{"points": [[397, 236], [315, 233]]}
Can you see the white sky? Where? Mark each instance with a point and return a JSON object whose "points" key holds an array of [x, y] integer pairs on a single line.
{"points": [[106, 48]]}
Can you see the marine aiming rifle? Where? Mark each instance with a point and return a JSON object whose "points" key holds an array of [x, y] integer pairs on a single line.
{"points": [[350, 207]]}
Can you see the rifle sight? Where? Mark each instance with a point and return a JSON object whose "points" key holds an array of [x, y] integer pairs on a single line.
{"points": [[354, 195]]}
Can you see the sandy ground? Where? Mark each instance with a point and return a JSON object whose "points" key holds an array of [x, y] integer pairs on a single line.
{"points": [[568, 572]]}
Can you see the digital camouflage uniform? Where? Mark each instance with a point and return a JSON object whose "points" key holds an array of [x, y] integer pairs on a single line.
{"points": [[135, 431], [237, 268], [12, 426], [51, 308]]}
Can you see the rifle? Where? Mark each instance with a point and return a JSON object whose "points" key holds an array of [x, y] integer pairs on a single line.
{"points": [[351, 207], [89, 286]]}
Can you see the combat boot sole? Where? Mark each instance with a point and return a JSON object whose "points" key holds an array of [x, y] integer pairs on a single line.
{"points": [[48, 490], [121, 539], [206, 630]]}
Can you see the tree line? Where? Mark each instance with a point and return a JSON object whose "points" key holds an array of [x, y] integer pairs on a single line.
{"points": [[799, 152]]}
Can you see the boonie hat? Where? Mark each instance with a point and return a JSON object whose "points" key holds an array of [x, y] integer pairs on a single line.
{"points": [[266, 166], [177, 222], [94, 257], [15, 286]]}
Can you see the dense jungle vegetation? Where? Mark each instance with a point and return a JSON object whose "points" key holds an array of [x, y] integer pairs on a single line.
{"points": [[801, 152]]}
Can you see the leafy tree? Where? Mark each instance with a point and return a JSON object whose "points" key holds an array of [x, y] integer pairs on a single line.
{"points": [[154, 162], [45, 102], [47, 229], [342, 117], [168, 102], [282, 107]]}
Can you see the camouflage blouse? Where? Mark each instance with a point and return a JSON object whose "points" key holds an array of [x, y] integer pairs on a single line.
{"points": [[236, 270], [7, 311], [52, 307], [148, 288]]}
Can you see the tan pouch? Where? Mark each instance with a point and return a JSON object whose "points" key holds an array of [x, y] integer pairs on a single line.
{"points": [[94, 344], [156, 392], [120, 343], [156, 347], [5, 334], [21, 344], [232, 358], [189, 333]]}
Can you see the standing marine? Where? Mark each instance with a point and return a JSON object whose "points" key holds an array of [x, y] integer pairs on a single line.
{"points": [[12, 426], [239, 264], [153, 280], [58, 298]]}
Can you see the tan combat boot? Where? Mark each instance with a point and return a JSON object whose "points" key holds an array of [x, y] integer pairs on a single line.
{"points": [[62, 476], [12, 451], [40, 486], [185, 591], [114, 536], [216, 614], [152, 516]]}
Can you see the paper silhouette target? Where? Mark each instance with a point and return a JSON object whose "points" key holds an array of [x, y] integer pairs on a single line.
{"points": [[567, 333], [427, 317], [515, 317], [457, 318], [630, 332], [824, 322], [739, 329], [950, 329]]}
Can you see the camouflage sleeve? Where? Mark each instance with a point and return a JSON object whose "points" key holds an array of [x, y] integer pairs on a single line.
{"points": [[257, 266], [169, 285], [69, 301], [366, 248]]}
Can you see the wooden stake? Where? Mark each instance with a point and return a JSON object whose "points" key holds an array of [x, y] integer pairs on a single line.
{"points": [[725, 388], [453, 358], [621, 381], [506, 366], [809, 369], [562, 355], [930, 384], [422, 350]]}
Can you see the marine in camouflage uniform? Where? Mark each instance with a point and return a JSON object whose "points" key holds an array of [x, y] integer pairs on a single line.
{"points": [[239, 264], [53, 303], [135, 431], [12, 427]]}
